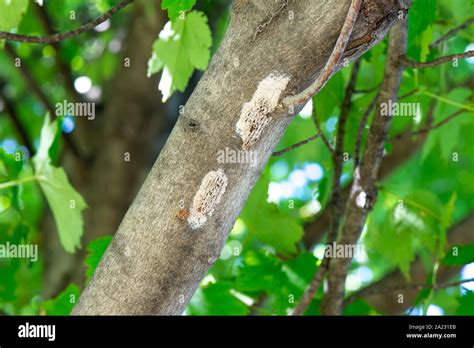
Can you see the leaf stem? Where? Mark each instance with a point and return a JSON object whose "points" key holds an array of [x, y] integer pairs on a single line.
{"points": [[18, 182], [448, 101]]}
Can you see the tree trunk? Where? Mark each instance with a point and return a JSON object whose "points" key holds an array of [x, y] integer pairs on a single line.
{"points": [[156, 259]]}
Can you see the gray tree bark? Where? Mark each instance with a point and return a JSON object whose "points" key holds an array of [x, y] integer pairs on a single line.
{"points": [[156, 259]]}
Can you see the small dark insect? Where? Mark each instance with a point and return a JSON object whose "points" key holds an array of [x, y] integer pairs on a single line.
{"points": [[182, 214]]}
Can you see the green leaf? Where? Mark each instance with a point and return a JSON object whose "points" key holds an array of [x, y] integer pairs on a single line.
{"points": [[63, 303], [67, 206], [47, 137], [216, 299], [11, 13], [260, 272], [421, 15], [103, 5], [446, 221], [426, 294], [460, 255], [329, 98], [53, 151], [267, 223], [9, 166], [65, 203], [359, 307], [409, 224], [425, 43], [448, 134], [301, 270], [5, 203], [176, 7], [466, 304], [95, 250], [182, 46], [448, 211]]}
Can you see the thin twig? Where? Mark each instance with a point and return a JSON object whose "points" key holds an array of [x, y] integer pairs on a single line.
{"points": [[378, 291], [441, 60], [67, 35], [430, 128], [360, 131], [366, 91], [338, 158], [452, 33], [256, 308], [313, 286], [408, 94], [319, 129], [448, 101], [338, 51], [294, 146]]}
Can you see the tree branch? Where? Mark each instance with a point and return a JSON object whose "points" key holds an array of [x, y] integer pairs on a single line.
{"points": [[314, 116], [429, 128], [370, 292], [366, 91], [313, 286], [403, 149], [294, 146], [163, 257], [446, 59], [388, 303], [67, 35], [363, 191], [338, 152], [331, 63], [336, 193], [408, 94], [452, 33], [360, 130]]}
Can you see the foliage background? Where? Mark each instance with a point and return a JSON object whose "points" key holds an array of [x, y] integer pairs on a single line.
{"points": [[265, 265]]}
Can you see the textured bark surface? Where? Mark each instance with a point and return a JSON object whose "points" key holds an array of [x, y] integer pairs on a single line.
{"points": [[156, 261]]}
